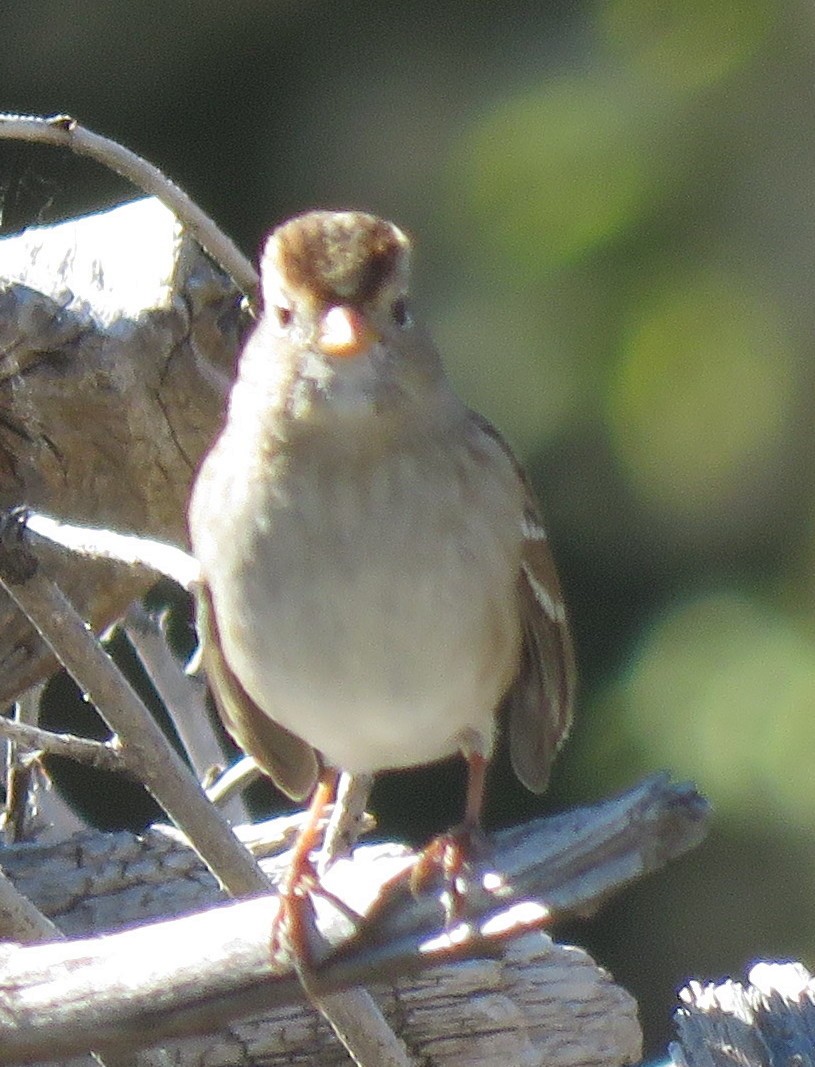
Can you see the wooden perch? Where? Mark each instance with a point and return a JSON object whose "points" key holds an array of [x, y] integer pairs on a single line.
{"points": [[200, 973], [769, 1020], [117, 336]]}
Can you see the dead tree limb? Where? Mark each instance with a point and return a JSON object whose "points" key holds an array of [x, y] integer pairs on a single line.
{"points": [[201, 973], [116, 335]]}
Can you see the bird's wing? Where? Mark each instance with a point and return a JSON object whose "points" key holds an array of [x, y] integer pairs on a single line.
{"points": [[540, 700], [290, 762]]}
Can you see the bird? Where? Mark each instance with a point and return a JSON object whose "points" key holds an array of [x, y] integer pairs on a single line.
{"points": [[376, 585]]}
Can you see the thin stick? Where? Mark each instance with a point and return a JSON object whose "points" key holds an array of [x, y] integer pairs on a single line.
{"points": [[101, 755], [134, 551], [358, 1022], [66, 132], [184, 699], [21, 773], [347, 819], [234, 780], [20, 920]]}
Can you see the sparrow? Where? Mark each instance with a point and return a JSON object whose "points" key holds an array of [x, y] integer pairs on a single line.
{"points": [[376, 581]]}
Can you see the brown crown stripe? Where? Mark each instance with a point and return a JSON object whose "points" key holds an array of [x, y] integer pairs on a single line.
{"points": [[345, 257]]}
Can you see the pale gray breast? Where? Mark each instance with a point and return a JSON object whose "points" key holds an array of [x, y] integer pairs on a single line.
{"points": [[385, 584]]}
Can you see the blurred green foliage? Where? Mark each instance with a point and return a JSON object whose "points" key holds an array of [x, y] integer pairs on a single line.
{"points": [[684, 44], [550, 174], [702, 388], [614, 212], [726, 674]]}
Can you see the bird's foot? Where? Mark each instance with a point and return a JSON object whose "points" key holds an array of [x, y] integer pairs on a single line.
{"points": [[450, 858], [295, 935], [294, 922], [293, 927]]}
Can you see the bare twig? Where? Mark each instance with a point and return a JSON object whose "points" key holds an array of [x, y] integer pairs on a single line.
{"points": [[34, 808], [347, 819], [21, 772], [234, 780], [96, 543], [101, 755], [20, 920], [65, 132], [185, 699], [357, 1021]]}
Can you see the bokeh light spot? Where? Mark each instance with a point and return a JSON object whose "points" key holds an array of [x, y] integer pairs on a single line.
{"points": [[545, 176], [722, 689], [701, 394], [684, 43]]}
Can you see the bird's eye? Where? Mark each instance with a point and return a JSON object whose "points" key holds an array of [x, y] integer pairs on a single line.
{"points": [[400, 313], [284, 315]]}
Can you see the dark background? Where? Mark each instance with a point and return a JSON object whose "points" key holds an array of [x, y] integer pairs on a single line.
{"points": [[614, 209]]}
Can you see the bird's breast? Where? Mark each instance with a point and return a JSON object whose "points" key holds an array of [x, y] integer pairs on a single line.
{"points": [[367, 601]]}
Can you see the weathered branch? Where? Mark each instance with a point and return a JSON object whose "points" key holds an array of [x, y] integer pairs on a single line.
{"points": [[132, 551], [196, 974], [184, 696], [768, 1020], [116, 335], [22, 772]]}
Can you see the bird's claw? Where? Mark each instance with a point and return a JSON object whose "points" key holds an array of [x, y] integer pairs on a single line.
{"points": [[450, 857]]}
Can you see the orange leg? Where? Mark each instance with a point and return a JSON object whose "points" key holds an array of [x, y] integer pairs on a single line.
{"points": [[476, 779], [449, 853], [291, 924]]}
